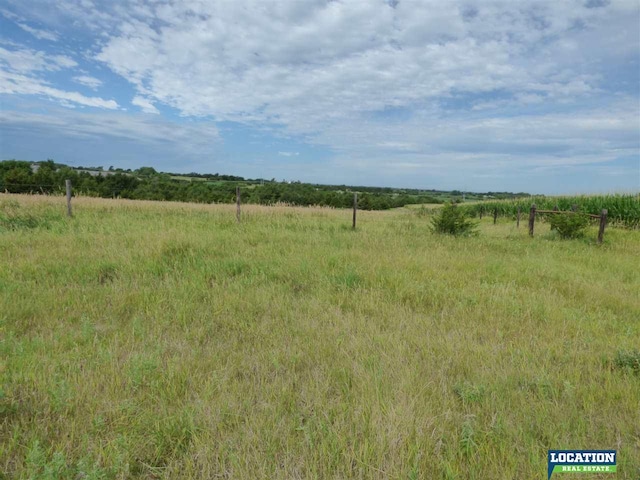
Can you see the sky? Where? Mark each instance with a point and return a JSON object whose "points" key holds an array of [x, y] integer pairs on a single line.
{"points": [[516, 95]]}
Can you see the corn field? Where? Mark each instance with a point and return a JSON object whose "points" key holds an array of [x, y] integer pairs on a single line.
{"points": [[623, 210]]}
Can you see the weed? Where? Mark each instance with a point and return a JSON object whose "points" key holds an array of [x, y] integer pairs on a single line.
{"points": [[468, 392], [628, 360], [107, 273], [349, 279], [467, 438]]}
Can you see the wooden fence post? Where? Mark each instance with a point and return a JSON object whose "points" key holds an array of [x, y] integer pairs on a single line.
{"points": [[355, 208], [555, 209], [495, 215], [603, 223], [67, 184], [532, 219], [238, 204], [481, 211], [518, 218]]}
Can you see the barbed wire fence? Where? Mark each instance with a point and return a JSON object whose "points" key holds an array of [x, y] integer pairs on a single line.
{"points": [[67, 190]]}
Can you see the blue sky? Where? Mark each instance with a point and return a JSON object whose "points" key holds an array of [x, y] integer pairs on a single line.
{"points": [[523, 95]]}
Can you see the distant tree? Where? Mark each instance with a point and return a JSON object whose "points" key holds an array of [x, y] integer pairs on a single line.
{"points": [[17, 180], [146, 171], [49, 177]]}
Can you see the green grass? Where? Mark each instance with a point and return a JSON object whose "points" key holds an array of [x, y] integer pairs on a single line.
{"points": [[156, 340]]}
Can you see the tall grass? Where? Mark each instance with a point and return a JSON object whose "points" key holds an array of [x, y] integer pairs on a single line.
{"points": [[623, 210], [150, 340], [14, 217]]}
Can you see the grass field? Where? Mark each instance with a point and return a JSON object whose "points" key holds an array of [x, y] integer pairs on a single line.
{"points": [[151, 340]]}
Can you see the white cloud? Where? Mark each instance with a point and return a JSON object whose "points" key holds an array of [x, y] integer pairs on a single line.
{"points": [[14, 83], [39, 34], [145, 105], [36, 32], [88, 81], [61, 61], [62, 14], [20, 71], [307, 66], [25, 60], [288, 154], [185, 137], [398, 146]]}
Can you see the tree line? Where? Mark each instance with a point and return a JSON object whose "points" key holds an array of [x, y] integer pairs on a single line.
{"points": [[146, 184]]}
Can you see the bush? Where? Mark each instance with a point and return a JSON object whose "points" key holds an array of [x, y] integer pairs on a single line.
{"points": [[453, 221], [569, 225]]}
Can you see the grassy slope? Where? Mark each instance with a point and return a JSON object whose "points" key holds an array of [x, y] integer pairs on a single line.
{"points": [[166, 341]]}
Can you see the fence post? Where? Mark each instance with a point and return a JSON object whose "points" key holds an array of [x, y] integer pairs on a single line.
{"points": [[355, 208], [518, 218], [238, 204], [603, 223], [555, 209], [495, 215], [481, 211], [532, 219], [67, 184]]}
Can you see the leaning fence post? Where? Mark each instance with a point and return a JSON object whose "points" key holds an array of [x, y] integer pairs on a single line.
{"points": [[495, 215], [532, 219], [355, 208], [518, 218], [603, 223], [67, 184], [238, 204]]}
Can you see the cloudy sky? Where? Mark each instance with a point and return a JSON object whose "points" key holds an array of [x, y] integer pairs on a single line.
{"points": [[516, 95]]}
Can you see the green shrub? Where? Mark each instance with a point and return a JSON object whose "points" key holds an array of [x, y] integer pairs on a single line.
{"points": [[569, 225], [453, 221]]}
